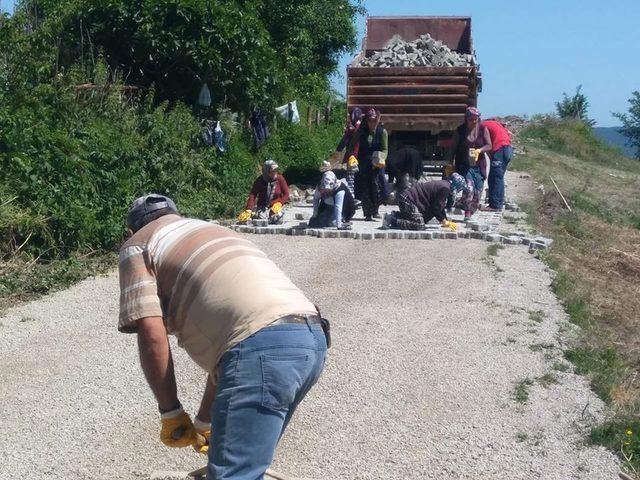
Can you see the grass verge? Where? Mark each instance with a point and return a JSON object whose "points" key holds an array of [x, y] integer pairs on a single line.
{"points": [[596, 257]]}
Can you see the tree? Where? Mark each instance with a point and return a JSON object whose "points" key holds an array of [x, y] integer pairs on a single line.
{"points": [[631, 122], [249, 52], [575, 107]]}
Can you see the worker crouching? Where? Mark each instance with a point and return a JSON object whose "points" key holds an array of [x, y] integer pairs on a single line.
{"points": [[333, 203], [269, 194], [239, 318]]}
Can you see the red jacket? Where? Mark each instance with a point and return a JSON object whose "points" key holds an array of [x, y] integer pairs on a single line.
{"points": [[258, 194]]}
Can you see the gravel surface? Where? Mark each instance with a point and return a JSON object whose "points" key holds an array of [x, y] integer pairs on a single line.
{"points": [[430, 341]]}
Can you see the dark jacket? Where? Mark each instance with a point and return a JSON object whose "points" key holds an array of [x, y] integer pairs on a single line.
{"points": [[365, 150], [462, 146], [430, 198], [406, 160], [258, 194]]}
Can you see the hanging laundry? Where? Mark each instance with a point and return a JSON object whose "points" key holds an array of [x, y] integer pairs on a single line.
{"points": [[259, 127], [218, 138], [204, 98]]}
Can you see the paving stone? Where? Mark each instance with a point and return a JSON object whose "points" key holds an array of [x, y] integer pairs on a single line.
{"points": [[512, 240], [300, 216], [547, 242], [493, 237], [396, 235], [425, 235], [348, 234], [282, 230], [381, 235], [331, 233], [366, 236], [526, 241], [438, 235], [451, 235], [260, 223]]}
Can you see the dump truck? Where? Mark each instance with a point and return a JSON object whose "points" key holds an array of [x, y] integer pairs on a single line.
{"points": [[420, 105]]}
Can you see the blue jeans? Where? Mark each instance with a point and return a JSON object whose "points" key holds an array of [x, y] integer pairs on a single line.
{"points": [[261, 382], [499, 162]]}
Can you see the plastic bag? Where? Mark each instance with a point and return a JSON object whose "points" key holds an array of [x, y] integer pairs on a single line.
{"points": [[289, 112]]}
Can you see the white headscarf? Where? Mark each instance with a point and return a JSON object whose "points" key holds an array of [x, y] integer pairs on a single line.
{"points": [[329, 181]]}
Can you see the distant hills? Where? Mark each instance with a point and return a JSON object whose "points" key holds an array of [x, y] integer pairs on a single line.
{"points": [[611, 136]]}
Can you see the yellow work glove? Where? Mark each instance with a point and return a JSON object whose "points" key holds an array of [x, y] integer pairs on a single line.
{"points": [[203, 430], [244, 216], [352, 162], [453, 226], [276, 208], [177, 430]]}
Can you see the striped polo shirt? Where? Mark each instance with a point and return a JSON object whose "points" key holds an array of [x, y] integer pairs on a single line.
{"points": [[212, 287]]}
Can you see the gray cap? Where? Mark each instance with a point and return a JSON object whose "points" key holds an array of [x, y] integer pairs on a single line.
{"points": [[145, 205]]}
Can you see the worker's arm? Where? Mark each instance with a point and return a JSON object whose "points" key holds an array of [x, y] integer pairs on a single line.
{"points": [[338, 202], [253, 194], [209, 395], [284, 192], [157, 362], [488, 146]]}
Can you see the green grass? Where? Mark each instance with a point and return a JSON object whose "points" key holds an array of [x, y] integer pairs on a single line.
{"points": [[621, 435], [547, 379], [493, 249], [561, 367], [603, 365], [521, 437], [23, 280], [539, 347], [521, 391], [536, 316]]}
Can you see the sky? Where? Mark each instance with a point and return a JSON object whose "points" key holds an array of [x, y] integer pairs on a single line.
{"points": [[530, 52]]}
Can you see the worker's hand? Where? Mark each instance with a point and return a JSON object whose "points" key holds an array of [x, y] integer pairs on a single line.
{"points": [[244, 216], [203, 431], [453, 226], [352, 162], [474, 153], [276, 208], [177, 430]]}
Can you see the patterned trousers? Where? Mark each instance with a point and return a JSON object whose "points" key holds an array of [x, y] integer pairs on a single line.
{"points": [[409, 217]]}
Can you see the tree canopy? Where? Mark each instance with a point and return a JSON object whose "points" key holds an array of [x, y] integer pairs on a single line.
{"points": [[249, 52], [575, 107], [631, 122]]}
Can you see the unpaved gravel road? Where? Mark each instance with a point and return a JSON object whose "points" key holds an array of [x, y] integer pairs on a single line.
{"points": [[430, 340]]}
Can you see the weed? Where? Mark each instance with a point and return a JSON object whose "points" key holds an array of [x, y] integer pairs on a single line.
{"points": [[27, 319], [539, 347], [492, 250], [561, 367], [603, 365], [521, 437], [621, 435], [521, 392], [511, 340], [547, 379], [536, 316]]}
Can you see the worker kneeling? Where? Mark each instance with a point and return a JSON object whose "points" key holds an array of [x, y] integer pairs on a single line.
{"points": [[419, 203], [239, 318], [333, 203], [268, 196]]}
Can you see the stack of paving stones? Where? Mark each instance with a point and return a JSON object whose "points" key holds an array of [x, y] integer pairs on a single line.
{"points": [[482, 226], [423, 52]]}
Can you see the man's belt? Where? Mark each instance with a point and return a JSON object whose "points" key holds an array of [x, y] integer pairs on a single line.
{"points": [[298, 319]]}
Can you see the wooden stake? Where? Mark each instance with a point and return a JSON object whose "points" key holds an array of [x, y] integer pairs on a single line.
{"points": [[560, 193]]}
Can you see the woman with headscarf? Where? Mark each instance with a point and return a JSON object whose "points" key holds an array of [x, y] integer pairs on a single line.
{"points": [[371, 141], [267, 197], [419, 202], [333, 203], [350, 159], [471, 141]]}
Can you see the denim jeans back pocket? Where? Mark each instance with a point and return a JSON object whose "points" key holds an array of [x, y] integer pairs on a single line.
{"points": [[282, 378]]}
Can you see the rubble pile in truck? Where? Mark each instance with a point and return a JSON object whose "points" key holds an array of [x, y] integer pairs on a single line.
{"points": [[422, 52]]}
